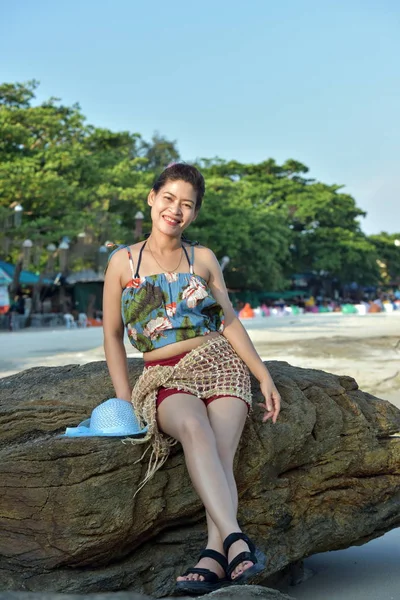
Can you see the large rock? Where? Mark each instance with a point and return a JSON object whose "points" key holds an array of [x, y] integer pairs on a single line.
{"points": [[326, 476]]}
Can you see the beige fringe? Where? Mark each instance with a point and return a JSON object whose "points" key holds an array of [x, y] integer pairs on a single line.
{"points": [[211, 368]]}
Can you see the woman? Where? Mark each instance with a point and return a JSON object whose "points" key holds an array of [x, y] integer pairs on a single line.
{"points": [[195, 387]]}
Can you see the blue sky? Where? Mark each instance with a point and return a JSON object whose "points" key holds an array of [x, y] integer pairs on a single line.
{"points": [[317, 81]]}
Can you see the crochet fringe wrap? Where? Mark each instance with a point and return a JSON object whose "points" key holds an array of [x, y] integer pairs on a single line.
{"points": [[211, 368]]}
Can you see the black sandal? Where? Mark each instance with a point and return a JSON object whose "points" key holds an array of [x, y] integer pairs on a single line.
{"points": [[211, 580], [255, 556]]}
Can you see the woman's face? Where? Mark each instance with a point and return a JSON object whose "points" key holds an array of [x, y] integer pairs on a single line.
{"points": [[173, 207]]}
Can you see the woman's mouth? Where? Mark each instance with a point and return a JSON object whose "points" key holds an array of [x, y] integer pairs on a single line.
{"points": [[171, 221]]}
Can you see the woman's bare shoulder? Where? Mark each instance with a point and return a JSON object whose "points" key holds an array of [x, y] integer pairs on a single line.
{"points": [[135, 248], [204, 252], [116, 257]]}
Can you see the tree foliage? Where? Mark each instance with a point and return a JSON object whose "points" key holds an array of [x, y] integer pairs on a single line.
{"points": [[271, 220], [387, 247], [289, 224]]}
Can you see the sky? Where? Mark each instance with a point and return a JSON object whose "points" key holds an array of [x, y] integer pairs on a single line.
{"points": [[316, 81]]}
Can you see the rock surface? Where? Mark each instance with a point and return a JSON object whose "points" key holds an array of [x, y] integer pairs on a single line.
{"points": [[326, 476], [244, 592]]}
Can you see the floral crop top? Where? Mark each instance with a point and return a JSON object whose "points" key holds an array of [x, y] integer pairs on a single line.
{"points": [[162, 309]]}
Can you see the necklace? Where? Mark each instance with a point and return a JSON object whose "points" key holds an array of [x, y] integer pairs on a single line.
{"points": [[166, 270]]}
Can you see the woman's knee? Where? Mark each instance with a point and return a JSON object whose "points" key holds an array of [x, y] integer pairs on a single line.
{"points": [[194, 429], [226, 451]]}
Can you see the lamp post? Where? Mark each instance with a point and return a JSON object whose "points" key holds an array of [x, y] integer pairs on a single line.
{"points": [[63, 254], [26, 252], [138, 225], [12, 218], [24, 257], [102, 258], [224, 261], [51, 248], [18, 210], [63, 248]]}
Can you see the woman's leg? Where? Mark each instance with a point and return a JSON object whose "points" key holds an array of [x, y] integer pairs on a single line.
{"points": [[227, 418], [186, 419]]}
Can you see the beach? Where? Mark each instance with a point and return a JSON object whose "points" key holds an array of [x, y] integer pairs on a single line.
{"points": [[364, 347]]}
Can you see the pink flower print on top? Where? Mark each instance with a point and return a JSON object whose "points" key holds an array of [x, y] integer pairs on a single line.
{"points": [[194, 292], [171, 277], [154, 328], [137, 282], [171, 309], [132, 333]]}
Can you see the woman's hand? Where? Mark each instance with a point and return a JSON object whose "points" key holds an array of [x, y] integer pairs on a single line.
{"points": [[272, 397]]}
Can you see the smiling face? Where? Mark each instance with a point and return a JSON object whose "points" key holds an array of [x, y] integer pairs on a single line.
{"points": [[173, 207]]}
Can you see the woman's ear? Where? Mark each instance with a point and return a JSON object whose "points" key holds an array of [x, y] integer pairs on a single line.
{"points": [[150, 198]]}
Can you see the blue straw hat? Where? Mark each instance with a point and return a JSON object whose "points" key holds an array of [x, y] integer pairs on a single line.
{"points": [[114, 417]]}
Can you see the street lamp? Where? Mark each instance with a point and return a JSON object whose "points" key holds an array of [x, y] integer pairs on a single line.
{"points": [[18, 210], [51, 248], [225, 260], [26, 250], [63, 254], [138, 225], [12, 218], [103, 256]]}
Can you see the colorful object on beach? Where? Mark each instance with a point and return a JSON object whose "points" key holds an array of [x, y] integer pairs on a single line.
{"points": [[349, 309], [94, 323], [247, 312], [112, 418]]}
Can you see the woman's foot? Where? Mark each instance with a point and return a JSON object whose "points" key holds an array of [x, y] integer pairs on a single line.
{"points": [[234, 550], [244, 560], [204, 563], [207, 576]]}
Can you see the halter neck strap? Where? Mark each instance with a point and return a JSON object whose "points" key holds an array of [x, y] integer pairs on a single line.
{"points": [[190, 263]]}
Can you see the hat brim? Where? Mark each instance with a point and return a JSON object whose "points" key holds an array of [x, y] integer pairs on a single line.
{"points": [[86, 432]]}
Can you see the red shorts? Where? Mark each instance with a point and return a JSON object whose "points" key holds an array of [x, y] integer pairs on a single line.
{"points": [[165, 392]]}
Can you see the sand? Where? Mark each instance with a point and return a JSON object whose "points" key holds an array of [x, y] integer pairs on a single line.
{"points": [[365, 347], [368, 572]]}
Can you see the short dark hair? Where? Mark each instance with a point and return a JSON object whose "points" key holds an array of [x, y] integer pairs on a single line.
{"points": [[183, 171]]}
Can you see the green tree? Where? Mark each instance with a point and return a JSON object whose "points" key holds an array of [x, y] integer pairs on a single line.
{"points": [[387, 247], [159, 153], [70, 177], [255, 240], [270, 219], [318, 223]]}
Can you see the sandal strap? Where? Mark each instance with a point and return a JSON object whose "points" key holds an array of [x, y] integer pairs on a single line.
{"points": [[234, 537], [217, 556], [242, 557], [208, 575]]}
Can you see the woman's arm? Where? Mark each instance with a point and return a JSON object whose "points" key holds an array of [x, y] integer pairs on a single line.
{"points": [[238, 337], [113, 329]]}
